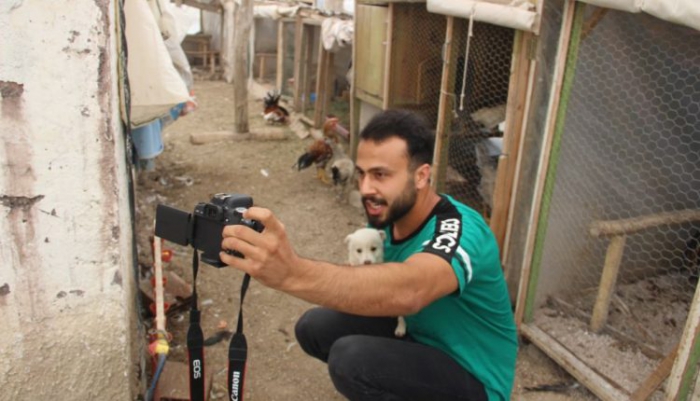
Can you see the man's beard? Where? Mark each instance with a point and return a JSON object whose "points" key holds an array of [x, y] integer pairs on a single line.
{"points": [[401, 206]]}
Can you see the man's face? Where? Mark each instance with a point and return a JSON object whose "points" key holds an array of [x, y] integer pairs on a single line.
{"points": [[385, 181]]}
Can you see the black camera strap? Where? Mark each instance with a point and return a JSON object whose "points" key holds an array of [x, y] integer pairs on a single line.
{"points": [[237, 350], [195, 341]]}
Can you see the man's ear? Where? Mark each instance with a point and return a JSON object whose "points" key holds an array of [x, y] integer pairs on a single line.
{"points": [[422, 176]]}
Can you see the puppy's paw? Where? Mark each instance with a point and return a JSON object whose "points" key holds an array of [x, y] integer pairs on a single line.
{"points": [[400, 328]]}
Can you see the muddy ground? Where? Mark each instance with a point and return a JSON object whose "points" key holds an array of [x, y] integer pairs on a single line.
{"points": [[317, 223]]}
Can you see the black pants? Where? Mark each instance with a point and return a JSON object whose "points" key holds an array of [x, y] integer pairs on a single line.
{"points": [[366, 361]]}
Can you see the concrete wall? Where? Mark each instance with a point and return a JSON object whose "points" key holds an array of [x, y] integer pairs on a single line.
{"points": [[67, 308]]}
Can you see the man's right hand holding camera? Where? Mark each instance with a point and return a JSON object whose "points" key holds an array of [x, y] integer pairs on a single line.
{"points": [[268, 255]]}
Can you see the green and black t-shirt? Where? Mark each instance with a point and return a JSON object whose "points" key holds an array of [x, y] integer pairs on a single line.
{"points": [[475, 324]]}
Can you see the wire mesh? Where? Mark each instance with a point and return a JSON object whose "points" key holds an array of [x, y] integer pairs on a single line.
{"points": [[478, 93], [630, 150], [416, 59]]}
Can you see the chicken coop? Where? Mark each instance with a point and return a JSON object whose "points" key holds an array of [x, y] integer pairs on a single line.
{"points": [[605, 227], [322, 58], [466, 70]]}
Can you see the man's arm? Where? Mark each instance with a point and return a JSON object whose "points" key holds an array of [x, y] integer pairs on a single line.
{"points": [[389, 289]]}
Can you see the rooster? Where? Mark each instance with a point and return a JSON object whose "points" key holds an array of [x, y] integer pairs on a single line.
{"points": [[274, 113], [333, 130], [319, 153]]}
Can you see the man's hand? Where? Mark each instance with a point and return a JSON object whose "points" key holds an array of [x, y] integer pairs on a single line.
{"points": [[268, 256]]}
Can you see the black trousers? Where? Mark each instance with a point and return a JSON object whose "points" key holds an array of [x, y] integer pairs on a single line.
{"points": [[367, 362]]}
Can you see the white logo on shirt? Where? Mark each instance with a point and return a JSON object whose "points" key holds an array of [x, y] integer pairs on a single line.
{"points": [[447, 239]]}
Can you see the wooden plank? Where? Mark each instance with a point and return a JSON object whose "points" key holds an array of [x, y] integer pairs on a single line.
{"points": [[369, 60], [388, 60], [440, 164], [636, 224], [605, 388], [354, 103], [652, 382], [528, 278], [613, 257], [279, 79]]}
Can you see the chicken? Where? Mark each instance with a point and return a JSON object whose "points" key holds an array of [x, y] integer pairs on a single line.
{"points": [[333, 130], [274, 113], [343, 171], [319, 153]]}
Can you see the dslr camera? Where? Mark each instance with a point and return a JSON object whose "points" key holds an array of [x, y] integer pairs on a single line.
{"points": [[203, 228]]}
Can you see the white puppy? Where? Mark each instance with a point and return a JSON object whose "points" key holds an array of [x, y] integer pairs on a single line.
{"points": [[366, 247]]}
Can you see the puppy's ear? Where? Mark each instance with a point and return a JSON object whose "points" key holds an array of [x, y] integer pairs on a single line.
{"points": [[382, 234], [348, 238]]}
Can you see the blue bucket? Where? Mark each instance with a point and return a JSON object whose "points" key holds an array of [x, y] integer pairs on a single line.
{"points": [[148, 140]]}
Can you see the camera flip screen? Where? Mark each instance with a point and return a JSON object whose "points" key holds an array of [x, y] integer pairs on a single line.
{"points": [[172, 224]]}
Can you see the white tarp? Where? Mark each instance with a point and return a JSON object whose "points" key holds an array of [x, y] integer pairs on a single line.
{"points": [[683, 12], [516, 14], [336, 33], [155, 84]]}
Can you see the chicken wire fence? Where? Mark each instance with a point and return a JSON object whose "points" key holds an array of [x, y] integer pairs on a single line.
{"points": [[478, 87], [626, 188]]}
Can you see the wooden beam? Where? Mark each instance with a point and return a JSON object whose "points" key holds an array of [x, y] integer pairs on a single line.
{"points": [[214, 7], [636, 224], [613, 257], [354, 103], [440, 162], [308, 67], [604, 387]]}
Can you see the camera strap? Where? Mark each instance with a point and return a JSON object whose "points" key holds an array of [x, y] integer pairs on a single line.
{"points": [[237, 350], [195, 341]]}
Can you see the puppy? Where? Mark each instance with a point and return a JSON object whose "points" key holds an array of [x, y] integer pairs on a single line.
{"points": [[366, 247]]}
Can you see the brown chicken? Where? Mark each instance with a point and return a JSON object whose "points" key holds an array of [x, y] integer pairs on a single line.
{"points": [[319, 153]]}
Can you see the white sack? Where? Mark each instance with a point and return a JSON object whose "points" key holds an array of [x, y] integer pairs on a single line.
{"points": [[682, 12], [336, 33], [155, 84], [517, 14]]}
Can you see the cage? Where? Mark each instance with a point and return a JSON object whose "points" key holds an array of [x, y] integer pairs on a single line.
{"points": [[610, 254]]}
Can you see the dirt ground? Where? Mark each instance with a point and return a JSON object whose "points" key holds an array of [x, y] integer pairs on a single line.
{"points": [[317, 223]]}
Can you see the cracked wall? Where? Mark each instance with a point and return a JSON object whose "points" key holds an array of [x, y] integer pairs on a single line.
{"points": [[68, 311]]}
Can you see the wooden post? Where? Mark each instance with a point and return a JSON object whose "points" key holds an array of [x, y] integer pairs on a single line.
{"points": [[529, 275], [280, 56], [613, 257], [243, 20], [308, 67], [685, 367], [298, 54], [386, 95], [354, 103], [321, 74], [440, 151], [519, 92]]}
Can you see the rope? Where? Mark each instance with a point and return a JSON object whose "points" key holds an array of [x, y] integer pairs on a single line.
{"points": [[466, 56]]}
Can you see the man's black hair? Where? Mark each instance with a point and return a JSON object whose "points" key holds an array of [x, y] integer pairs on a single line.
{"points": [[404, 124]]}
